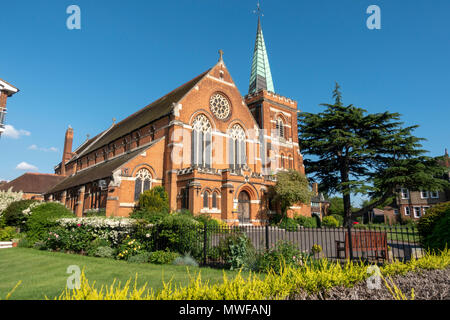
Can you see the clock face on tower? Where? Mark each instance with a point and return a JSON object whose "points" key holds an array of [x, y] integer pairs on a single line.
{"points": [[220, 106]]}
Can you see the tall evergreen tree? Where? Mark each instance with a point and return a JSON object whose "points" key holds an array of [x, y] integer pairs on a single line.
{"points": [[350, 151]]}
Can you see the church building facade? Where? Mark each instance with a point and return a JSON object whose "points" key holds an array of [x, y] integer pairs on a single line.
{"points": [[214, 151]]}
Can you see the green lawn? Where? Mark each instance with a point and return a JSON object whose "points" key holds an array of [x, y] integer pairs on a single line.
{"points": [[43, 273]]}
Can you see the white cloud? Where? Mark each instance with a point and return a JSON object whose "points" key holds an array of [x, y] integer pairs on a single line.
{"points": [[26, 166], [33, 147], [13, 133], [36, 148]]}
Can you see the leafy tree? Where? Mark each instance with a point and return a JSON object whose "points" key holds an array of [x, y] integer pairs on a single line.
{"points": [[354, 152], [336, 206], [155, 199], [291, 187]]}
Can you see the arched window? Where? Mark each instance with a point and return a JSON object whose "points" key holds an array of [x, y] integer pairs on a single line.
{"points": [[237, 147], [283, 164], [201, 142], [206, 200], [143, 182], [280, 128], [214, 200]]}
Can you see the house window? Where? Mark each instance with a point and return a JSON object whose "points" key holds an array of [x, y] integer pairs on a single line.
{"points": [[417, 212], [238, 147], [214, 200], [206, 200], [434, 194], [407, 211], [185, 198], [396, 211], [405, 193], [283, 161], [201, 142], [143, 182], [424, 194]]}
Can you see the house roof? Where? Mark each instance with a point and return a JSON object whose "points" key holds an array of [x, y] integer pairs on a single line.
{"points": [[37, 183], [157, 109], [100, 171], [8, 86]]}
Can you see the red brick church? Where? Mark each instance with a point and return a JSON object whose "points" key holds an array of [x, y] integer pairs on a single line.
{"points": [[215, 151]]}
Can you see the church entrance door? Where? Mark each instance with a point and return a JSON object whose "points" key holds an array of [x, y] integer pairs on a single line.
{"points": [[244, 207]]}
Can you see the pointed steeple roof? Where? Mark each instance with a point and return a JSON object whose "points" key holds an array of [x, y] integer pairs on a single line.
{"points": [[261, 77]]}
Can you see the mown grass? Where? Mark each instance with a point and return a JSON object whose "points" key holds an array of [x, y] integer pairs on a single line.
{"points": [[43, 273]]}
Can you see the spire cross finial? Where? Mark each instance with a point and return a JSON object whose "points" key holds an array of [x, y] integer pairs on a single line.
{"points": [[258, 10], [221, 55]]}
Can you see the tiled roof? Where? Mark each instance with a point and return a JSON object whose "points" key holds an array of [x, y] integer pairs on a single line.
{"points": [[97, 172], [37, 183], [152, 112]]}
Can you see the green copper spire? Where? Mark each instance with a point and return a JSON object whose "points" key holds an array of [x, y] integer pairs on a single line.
{"points": [[261, 77]]}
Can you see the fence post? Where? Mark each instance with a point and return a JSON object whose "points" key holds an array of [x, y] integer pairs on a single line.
{"points": [[350, 245], [267, 237], [205, 243]]}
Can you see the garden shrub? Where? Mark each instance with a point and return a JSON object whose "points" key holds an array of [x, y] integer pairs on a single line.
{"points": [[179, 233], [330, 222], [43, 217], [149, 215], [95, 244], [163, 257], [288, 224], [339, 218], [185, 260], [95, 213], [142, 257], [275, 219], [238, 252], [7, 234], [428, 222], [439, 239], [306, 222], [24, 243], [206, 220], [155, 199], [282, 254], [129, 247], [14, 214], [290, 281], [104, 252]]}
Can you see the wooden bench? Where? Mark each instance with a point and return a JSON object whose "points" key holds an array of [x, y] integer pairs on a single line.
{"points": [[364, 241]]}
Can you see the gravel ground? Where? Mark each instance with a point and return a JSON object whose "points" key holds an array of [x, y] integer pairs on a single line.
{"points": [[427, 284]]}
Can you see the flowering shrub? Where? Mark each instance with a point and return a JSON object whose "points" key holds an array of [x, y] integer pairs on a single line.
{"points": [[316, 248], [129, 247], [8, 197], [112, 229]]}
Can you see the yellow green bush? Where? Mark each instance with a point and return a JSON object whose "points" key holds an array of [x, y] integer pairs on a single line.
{"points": [[313, 278]]}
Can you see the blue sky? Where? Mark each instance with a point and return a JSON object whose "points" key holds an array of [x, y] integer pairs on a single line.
{"points": [[127, 54]]}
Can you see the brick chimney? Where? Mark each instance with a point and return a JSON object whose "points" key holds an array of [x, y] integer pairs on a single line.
{"points": [[315, 188], [67, 152]]}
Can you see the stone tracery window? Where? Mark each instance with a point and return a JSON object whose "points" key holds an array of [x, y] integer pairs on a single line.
{"points": [[237, 147], [220, 106], [201, 142], [143, 182]]}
